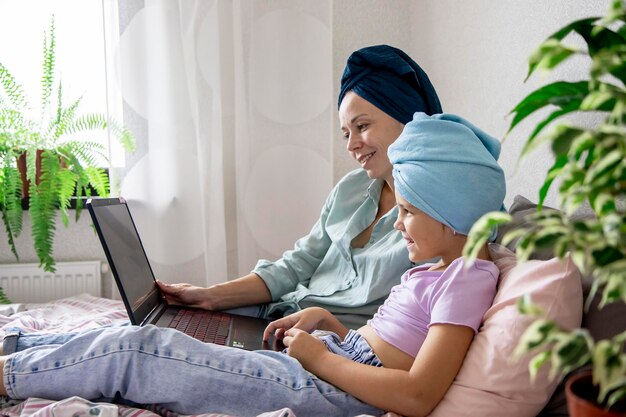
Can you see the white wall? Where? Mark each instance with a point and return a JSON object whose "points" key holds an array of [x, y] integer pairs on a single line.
{"points": [[475, 53]]}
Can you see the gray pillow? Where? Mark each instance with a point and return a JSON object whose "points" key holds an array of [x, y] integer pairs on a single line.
{"points": [[521, 208]]}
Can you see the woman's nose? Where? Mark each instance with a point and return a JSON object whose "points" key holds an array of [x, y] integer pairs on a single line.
{"points": [[353, 143]]}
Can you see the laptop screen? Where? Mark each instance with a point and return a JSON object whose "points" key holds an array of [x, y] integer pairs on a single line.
{"points": [[126, 256]]}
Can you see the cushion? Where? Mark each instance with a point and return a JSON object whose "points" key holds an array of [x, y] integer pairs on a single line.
{"points": [[601, 323], [491, 383], [521, 208]]}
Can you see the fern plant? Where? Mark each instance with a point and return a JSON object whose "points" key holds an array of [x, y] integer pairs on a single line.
{"points": [[58, 159], [590, 164]]}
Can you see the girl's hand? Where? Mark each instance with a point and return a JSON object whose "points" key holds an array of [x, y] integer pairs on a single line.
{"points": [[308, 320], [184, 294], [307, 349]]}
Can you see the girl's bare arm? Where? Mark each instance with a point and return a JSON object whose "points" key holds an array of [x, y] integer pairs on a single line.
{"points": [[413, 392], [309, 319]]}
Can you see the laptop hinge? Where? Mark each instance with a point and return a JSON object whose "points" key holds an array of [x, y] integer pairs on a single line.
{"points": [[154, 315]]}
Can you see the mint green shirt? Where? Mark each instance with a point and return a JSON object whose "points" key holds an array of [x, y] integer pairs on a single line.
{"points": [[324, 270]]}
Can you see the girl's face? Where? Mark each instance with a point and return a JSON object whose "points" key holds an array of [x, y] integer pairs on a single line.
{"points": [[368, 131], [425, 237]]}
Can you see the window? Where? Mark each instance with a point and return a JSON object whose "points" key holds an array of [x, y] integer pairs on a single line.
{"points": [[80, 54]]}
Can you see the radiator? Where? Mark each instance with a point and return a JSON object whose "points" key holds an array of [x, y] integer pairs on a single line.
{"points": [[27, 283]]}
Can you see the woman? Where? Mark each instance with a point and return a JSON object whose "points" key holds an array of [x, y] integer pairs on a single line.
{"points": [[403, 360], [352, 256]]}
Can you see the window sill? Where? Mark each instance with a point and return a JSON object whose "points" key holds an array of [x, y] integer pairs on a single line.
{"points": [[73, 202]]}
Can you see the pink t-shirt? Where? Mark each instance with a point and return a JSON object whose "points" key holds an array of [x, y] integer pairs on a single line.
{"points": [[423, 298]]}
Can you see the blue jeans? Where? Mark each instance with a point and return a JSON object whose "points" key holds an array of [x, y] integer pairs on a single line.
{"points": [[147, 365], [16, 341]]}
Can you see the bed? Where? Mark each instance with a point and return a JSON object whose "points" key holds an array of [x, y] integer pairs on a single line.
{"points": [[489, 384], [72, 314]]}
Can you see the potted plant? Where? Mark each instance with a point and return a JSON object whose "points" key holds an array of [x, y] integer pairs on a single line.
{"points": [[58, 161], [589, 167]]}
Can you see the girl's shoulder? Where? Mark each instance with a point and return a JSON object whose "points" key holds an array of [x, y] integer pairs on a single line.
{"points": [[419, 270], [461, 268], [476, 265], [457, 268]]}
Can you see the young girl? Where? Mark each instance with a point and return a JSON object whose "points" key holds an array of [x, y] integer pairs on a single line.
{"points": [[403, 360]]}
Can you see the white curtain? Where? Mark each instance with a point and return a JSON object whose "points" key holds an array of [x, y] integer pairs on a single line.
{"points": [[231, 104]]}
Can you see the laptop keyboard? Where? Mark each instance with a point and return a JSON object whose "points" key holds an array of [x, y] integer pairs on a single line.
{"points": [[206, 326]]}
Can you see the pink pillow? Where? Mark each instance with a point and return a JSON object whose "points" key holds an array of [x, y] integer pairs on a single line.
{"points": [[491, 383]]}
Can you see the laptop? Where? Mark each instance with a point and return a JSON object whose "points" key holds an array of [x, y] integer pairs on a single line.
{"points": [[142, 297]]}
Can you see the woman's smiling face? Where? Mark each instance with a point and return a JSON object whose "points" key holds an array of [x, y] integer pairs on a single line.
{"points": [[368, 131]]}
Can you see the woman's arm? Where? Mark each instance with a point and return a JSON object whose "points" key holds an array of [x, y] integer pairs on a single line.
{"points": [[296, 266], [247, 290], [413, 392], [278, 278]]}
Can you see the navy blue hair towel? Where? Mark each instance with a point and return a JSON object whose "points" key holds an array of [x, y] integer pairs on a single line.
{"points": [[447, 167], [390, 80]]}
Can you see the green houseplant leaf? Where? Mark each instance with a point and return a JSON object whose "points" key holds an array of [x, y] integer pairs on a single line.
{"points": [[590, 167], [482, 230], [61, 160], [563, 94]]}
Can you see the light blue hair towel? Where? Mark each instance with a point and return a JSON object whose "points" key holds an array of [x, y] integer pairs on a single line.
{"points": [[447, 167]]}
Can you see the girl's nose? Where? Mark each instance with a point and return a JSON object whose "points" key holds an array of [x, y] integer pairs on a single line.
{"points": [[398, 224]]}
